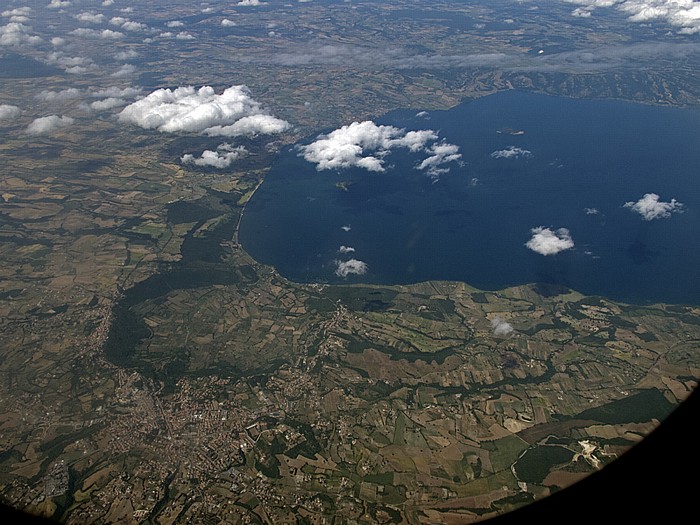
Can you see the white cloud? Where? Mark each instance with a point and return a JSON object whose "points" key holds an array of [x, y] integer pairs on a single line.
{"points": [[365, 145], [19, 14], [422, 114], [591, 211], [511, 152], [107, 3], [249, 2], [682, 14], [185, 109], [224, 155], [174, 23], [124, 71], [184, 35], [16, 34], [500, 327], [650, 207], [442, 153], [126, 55], [346, 228], [57, 57], [130, 25], [57, 41], [228, 23], [106, 34], [107, 104], [57, 4], [115, 92], [353, 266], [91, 18], [126, 24], [346, 249], [547, 242], [44, 125], [58, 96], [8, 112], [19, 11]]}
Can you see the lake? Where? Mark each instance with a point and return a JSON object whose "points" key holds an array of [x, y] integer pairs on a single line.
{"points": [[581, 161]]}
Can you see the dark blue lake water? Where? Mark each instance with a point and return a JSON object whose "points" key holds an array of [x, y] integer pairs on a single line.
{"points": [[473, 223]]}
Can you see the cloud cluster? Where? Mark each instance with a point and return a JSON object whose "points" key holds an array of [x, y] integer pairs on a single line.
{"points": [[90, 18], [511, 152], [45, 125], [249, 2], [111, 97], [650, 207], [8, 112], [548, 242], [500, 327], [16, 34], [353, 266], [19, 14], [441, 153], [346, 249], [365, 145], [224, 155], [682, 14], [126, 24], [57, 4], [105, 34], [186, 109]]}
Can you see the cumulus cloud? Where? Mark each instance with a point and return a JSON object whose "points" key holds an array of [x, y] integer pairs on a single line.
{"points": [[650, 207], [58, 96], [128, 92], [174, 23], [124, 71], [106, 34], [441, 154], [346, 249], [224, 155], [511, 152], [365, 145], [346, 228], [591, 211], [91, 18], [126, 55], [8, 112], [249, 2], [19, 11], [228, 23], [184, 35], [422, 114], [126, 24], [106, 104], [548, 242], [57, 4], [682, 14], [107, 3], [500, 327], [44, 125], [16, 34], [353, 266], [19, 14], [186, 109]]}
